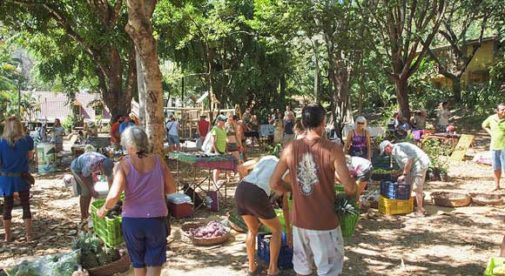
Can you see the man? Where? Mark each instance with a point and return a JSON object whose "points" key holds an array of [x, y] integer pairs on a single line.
{"points": [[313, 163], [173, 133], [85, 169], [203, 129], [414, 162], [218, 140], [495, 126]]}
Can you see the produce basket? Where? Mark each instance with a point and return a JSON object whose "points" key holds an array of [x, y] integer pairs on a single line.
{"points": [[492, 264], [109, 230], [395, 190], [395, 206], [206, 241], [451, 199], [486, 199], [348, 224], [119, 266], [285, 260]]}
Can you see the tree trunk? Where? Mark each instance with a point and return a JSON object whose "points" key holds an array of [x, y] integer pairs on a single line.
{"points": [[141, 88], [456, 88], [140, 29], [402, 95], [317, 96]]}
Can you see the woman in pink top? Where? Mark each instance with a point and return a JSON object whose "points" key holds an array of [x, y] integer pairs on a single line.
{"points": [[146, 179]]}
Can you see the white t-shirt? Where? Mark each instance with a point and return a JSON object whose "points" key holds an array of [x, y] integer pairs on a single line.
{"points": [[357, 166], [260, 175], [403, 152], [172, 128], [58, 133]]}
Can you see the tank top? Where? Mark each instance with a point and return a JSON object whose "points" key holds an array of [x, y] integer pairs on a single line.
{"points": [[145, 193], [358, 141], [313, 186]]}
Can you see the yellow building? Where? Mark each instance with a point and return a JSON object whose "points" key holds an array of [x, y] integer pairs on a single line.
{"points": [[478, 69]]}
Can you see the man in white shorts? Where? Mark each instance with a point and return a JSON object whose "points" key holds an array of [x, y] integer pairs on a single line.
{"points": [[414, 163], [313, 163]]}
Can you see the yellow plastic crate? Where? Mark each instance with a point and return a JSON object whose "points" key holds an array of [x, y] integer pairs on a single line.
{"points": [[395, 206], [493, 262]]}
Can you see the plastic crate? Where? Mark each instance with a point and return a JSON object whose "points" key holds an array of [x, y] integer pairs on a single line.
{"points": [[348, 225], [339, 188], [285, 255], [395, 206], [493, 262], [107, 229], [395, 190], [280, 216]]}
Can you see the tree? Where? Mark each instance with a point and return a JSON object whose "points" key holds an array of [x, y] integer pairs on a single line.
{"points": [[462, 17], [405, 28], [82, 43], [140, 29]]}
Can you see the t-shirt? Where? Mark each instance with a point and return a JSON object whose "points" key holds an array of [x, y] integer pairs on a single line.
{"points": [[497, 127], [288, 127], [358, 166], [260, 175], [403, 152], [203, 127], [125, 125], [87, 163], [172, 128], [14, 159], [220, 138], [58, 133], [312, 171]]}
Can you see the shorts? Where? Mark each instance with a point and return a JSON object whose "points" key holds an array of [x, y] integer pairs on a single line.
{"points": [[81, 187], [231, 147], [498, 159], [417, 180], [146, 240], [173, 140], [253, 201], [322, 248]]}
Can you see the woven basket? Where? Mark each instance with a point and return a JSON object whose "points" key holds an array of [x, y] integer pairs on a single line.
{"points": [[486, 199], [121, 265], [451, 199], [210, 241]]}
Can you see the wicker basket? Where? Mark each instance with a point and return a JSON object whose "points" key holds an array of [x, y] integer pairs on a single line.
{"points": [[486, 199], [121, 265], [210, 241], [451, 199]]}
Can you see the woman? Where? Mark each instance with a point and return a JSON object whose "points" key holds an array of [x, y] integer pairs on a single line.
{"points": [[233, 142], [146, 179], [253, 204], [16, 149], [279, 128], [443, 115], [358, 142], [58, 133]]}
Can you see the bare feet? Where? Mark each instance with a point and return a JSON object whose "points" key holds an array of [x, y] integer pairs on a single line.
{"points": [[496, 189]]}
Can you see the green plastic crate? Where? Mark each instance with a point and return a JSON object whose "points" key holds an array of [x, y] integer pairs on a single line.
{"points": [[493, 262], [107, 229]]}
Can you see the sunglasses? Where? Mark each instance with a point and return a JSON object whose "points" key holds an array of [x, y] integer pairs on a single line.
{"points": [[361, 123]]}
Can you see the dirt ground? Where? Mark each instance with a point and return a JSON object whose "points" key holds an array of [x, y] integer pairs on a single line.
{"points": [[450, 241]]}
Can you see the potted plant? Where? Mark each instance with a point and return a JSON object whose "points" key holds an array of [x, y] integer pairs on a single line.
{"points": [[348, 214]]}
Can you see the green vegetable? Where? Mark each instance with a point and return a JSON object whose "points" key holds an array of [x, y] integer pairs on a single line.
{"points": [[57, 265]]}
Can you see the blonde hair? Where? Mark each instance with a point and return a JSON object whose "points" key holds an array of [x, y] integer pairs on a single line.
{"points": [[360, 119], [13, 130]]}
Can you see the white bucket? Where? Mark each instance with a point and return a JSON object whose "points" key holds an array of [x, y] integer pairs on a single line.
{"points": [[102, 188]]}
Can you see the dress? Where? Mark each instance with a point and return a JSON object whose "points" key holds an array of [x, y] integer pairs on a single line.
{"points": [[14, 159]]}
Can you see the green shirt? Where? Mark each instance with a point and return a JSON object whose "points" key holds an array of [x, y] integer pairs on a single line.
{"points": [[497, 127], [220, 138]]}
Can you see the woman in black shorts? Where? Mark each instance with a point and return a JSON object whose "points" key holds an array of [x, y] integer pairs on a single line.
{"points": [[253, 204]]}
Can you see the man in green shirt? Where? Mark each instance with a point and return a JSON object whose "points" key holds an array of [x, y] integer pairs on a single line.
{"points": [[218, 140], [495, 126]]}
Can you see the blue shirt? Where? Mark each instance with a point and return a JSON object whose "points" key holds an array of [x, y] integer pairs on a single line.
{"points": [[87, 163], [14, 159], [125, 125]]}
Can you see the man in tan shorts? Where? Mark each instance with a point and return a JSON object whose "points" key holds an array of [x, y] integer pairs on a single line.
{"points": [[313, 163]]}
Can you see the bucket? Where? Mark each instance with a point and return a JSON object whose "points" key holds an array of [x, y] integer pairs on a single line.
{"points": [[46, 158]]}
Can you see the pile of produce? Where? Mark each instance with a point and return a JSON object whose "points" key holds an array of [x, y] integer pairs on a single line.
{"points": [[116, 210], [93, 252], [213, 229], [499, 270], [57, 265], [345, 205]]}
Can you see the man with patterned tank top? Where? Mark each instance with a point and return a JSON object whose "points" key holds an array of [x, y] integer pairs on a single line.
{"points": [[313, 163]]}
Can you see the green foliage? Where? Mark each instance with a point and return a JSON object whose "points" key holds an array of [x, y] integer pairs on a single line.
{"points": [[438, 153], [69, 123]]}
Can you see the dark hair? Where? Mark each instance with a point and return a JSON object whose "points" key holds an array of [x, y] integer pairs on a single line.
{"points": [[312, 115], [117, 118], [235, 117]]}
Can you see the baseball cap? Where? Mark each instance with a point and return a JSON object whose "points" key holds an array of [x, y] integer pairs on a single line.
{"points": [[383, 145], [222, 118]]}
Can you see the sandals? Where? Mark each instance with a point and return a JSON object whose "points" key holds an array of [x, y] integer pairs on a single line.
{"points": [[256, 272]]}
